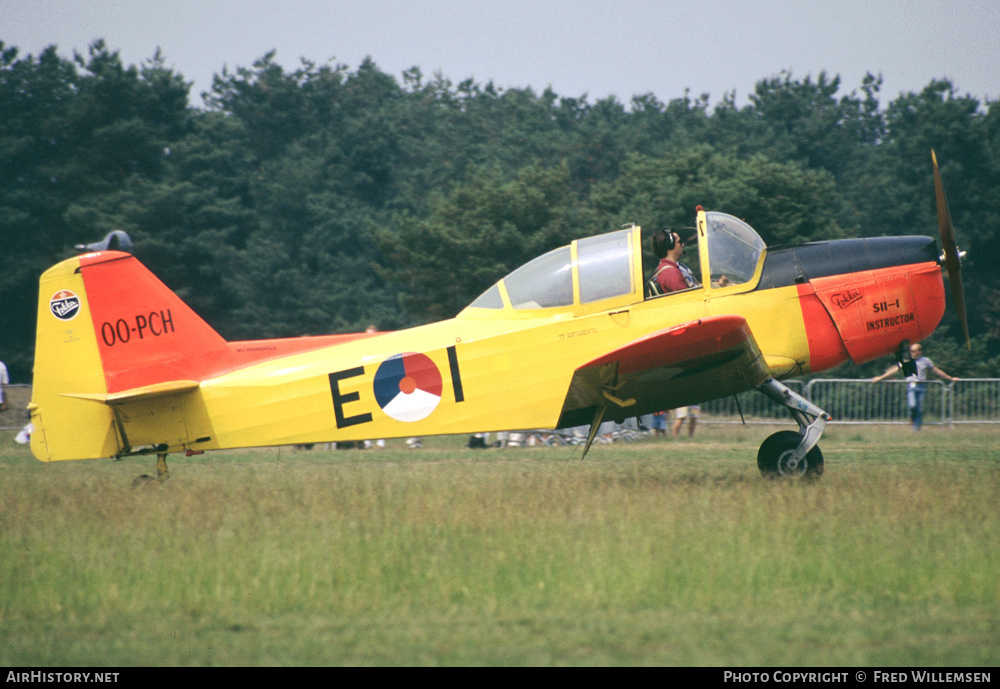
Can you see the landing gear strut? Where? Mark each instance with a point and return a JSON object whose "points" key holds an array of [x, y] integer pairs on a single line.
{"points": [[787, 454]]}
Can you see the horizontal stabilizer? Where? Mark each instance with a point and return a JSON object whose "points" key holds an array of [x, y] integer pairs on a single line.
{"points": [[172, 387], [159, 415]]}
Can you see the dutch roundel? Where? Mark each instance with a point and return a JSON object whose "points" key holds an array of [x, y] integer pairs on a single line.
{"points": [[408, 386]]}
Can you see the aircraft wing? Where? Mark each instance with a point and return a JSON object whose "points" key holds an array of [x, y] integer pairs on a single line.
{"points": [[685, 364]]}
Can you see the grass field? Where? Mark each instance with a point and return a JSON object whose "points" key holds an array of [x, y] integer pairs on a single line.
{"points": [[657, 553]]}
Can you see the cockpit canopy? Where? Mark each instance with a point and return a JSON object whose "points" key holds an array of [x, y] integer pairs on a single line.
{"points": [[597, 270], [605, 271], [734, 249]]}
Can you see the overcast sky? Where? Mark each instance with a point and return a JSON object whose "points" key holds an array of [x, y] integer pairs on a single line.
{"points": [[593, 47]]}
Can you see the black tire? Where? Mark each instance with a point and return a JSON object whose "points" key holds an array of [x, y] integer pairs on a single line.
{"points": [[776, 451]]}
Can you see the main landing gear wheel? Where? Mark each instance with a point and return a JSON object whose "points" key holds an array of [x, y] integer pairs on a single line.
{"points": [[788, 454], [776, 458]]}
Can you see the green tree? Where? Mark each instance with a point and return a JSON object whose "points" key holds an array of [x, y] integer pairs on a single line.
{"points": [[191, 224], [959, 130], [783, 202], [477, 234], [72, 133], [33, 93]]}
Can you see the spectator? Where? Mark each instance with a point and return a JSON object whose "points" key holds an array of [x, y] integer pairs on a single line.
{"points": [[917, 383], [691, 414], [660, 423]]}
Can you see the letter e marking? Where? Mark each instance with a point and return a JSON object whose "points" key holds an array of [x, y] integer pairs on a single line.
{"points": [[340, 399]]}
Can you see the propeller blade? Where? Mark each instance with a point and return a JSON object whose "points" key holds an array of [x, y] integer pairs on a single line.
{"points": [[952, 260]]}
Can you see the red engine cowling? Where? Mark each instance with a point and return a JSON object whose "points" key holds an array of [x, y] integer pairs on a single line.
{"points": [[874, 310]]}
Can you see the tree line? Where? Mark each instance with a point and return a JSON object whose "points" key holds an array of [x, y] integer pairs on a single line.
{"points": [[323, 199]]}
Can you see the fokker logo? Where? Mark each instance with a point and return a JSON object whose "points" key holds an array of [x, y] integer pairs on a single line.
{"points": [[845, 299], [64, 305]]}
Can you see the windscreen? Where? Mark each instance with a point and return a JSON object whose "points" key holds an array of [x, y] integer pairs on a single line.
{"points": [[733, 249]]}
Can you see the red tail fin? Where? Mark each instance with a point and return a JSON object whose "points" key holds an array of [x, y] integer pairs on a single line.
{"points": [[145, 333]]}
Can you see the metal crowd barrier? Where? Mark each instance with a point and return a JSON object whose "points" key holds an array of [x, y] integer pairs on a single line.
{"points": [[859, 401]]}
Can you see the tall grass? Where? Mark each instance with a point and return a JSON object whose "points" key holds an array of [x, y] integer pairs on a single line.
{"points": [[663, 552]]}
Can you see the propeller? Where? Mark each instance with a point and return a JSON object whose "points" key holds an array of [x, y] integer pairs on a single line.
{"points": [[952, 256]]}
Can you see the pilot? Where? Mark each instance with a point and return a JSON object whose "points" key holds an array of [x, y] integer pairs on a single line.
{"points": [[671, 275], [917, 383]]}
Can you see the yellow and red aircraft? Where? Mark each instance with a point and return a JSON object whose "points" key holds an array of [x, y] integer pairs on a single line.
{"points": [[124, 367]]}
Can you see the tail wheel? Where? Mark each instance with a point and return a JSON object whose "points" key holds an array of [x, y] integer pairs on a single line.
{"points": [[776, 458]]}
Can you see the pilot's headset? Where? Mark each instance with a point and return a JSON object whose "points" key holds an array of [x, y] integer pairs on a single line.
{"points": [[663, 241]]}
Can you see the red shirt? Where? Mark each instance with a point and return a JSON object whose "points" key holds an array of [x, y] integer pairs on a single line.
{"points": [[669, 276]]}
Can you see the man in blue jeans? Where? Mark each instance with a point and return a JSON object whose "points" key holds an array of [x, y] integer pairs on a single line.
{"points": [[917, 383]]}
